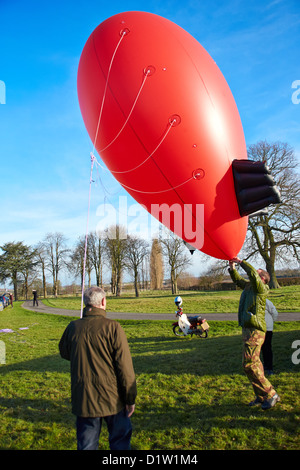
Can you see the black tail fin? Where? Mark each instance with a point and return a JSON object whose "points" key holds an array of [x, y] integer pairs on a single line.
{"points": [[254, 185]]}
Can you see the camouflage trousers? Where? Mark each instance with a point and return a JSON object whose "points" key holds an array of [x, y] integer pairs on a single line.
{"points": [[253, 340]]}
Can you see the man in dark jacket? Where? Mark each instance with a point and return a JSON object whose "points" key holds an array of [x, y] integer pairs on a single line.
{"points": [[103, 381], [251, 316], [35, 298]]}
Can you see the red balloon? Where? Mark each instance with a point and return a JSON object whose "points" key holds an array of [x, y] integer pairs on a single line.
{"points": [[164, 121]]}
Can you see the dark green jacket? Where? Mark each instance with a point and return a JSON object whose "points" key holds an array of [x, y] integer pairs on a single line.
{"points": [[252, 305], [102, 375]]}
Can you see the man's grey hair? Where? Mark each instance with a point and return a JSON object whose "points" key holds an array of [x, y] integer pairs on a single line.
{"points": [[93, 296]]}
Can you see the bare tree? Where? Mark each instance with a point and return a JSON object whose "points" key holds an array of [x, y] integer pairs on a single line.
{"points": [[275, 236], [96, 243], [76, 264], [177, 257], [55, 245], [136, 251], [116, 245], [41, 257], [145, 271], [156, 265]]}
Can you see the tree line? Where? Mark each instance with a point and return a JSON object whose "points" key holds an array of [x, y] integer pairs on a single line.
{"points": [[111, 249]]}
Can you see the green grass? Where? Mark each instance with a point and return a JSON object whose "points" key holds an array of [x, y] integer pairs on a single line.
{"points": [[286, 299], [192, 393]]}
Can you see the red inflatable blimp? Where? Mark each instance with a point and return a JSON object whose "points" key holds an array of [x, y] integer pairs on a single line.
{"points": [[165, 123]]}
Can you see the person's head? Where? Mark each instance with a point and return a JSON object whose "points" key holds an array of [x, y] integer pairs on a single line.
{"points": [[94, 297], [264, 275]]}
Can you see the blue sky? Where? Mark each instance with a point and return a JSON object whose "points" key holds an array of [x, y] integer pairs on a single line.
{"points": [[44, 147]]}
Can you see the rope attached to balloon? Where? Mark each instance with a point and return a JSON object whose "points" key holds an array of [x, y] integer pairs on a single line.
{"points": [[149, 156], [93, 159], [86, 235], [123, 34], [128, 117]]}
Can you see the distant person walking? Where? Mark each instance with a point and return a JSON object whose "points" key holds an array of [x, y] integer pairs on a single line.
{"points": [[266, 349], [35, 300]]}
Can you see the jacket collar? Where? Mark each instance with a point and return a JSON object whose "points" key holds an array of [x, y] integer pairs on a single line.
{"points": [[90, 311]]}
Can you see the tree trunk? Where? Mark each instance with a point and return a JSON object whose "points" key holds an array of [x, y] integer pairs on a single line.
{"points": [[15, 283], [273, 284], [55, 289], [44, 283], [118, 284], [174, 283], [26, 287], [267, 249], [136, 287]]}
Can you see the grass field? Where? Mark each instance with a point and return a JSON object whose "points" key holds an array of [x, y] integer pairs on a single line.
{"points": [[286, 299], [192, 393]]}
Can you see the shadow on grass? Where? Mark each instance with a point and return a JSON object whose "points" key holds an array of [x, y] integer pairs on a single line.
{"points": [[36, 410], [196, 356], [170, 355], [210, 356], [159, 354], [203, 417], [50, 363]]}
